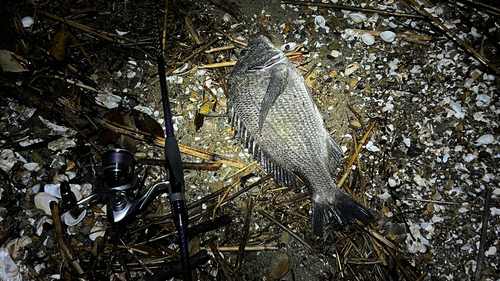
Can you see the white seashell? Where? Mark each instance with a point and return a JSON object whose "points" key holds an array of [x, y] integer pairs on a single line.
{"points": [[144, 109], [69, 220], [7, 160], [8, 268], [439, 10], [368, 39], [42, 202], [96, 231], [491, 251], [55, 190], [384, 196], [358, 17], [72, 230], [320, 22], [335, 53], [351, 68], [108, 100], [419, 180], [27, 21], [372, 147], [388, 36], [61, 144], [291, 46], [181, 69], [485, 139], [31, 166], [392, 182], [484, 98], [121, 33]]}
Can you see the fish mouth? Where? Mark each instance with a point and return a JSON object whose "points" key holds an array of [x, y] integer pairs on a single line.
{"points": [[276, 59]]}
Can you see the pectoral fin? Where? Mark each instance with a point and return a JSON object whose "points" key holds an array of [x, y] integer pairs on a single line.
{"points": [[277, 85]]}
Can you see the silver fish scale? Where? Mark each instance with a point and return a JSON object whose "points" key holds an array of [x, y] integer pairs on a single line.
{"points": [[291, 140]]}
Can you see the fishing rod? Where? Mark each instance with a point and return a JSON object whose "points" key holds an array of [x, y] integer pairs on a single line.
{"points": [[173, 164]]}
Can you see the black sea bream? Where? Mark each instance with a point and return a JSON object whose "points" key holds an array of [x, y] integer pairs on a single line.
{"points": [[275, 115]]}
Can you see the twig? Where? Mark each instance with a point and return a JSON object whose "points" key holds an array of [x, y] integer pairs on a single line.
{"points": [[353, 157], [84, 135], [229, 189], [185, 165], [356, 113], [452, 34], [219, 64], [192, 30], [266, 215], [360, 170], [65, 250], [219, 49], [251, 166], [234, 40], [220, 261], [490, 9], [244, 236], [141, 263], [484, 233], [248, 248], [415, 41], [81, 85], [310, 71], [432, 201], [401, 266], [224, 197], [201, 49], [345, 7]]}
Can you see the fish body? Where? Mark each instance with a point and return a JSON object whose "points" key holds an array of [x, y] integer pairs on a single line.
{"points": [[275, 115]]}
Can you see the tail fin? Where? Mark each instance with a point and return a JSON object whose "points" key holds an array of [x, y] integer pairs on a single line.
{"points": [[337, 207]]}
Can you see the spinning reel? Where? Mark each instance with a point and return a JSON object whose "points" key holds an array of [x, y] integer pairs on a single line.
{"points": [[119, 184]]}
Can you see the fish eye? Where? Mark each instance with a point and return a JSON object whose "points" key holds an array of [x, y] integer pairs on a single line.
{"points": [[244, 52]]}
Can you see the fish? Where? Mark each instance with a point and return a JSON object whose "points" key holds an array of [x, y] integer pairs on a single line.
{"points": [[274, 115]]}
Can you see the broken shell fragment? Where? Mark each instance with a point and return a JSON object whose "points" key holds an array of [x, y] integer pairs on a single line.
{"points": [[54, 190], [388, 36], [69, 220], [358, 17], [9, 269], [27, 21], [351, 68], [7, 160], [485, 139], [320, 22], [42, 202], [96, 231], [368, 39]]}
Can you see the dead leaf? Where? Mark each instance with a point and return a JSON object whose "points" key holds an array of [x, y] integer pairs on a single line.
{"points": [[110, 137], [146, 123], [58, 50], [10, 62]]}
